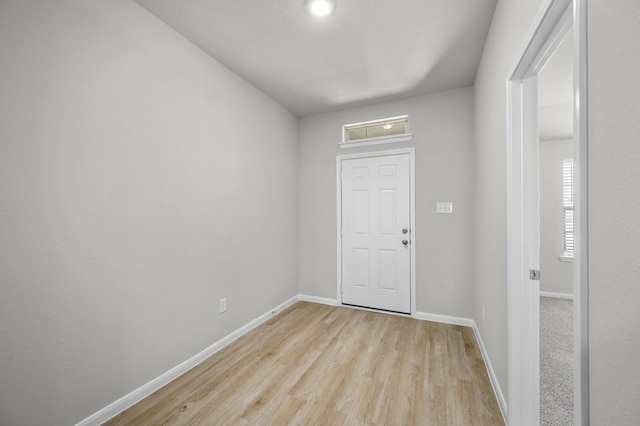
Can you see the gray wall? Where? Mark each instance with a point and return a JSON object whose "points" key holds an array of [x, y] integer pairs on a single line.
{"points": [[511, 22], [557, 275], [614, 206], [443, 138], [134, 194], [614, 199], [141, 181]]}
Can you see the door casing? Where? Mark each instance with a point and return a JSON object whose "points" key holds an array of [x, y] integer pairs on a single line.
{"points": [[339, 159], [555, 18]]}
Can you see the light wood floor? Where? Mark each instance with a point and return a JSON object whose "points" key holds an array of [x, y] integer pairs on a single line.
{"points": [[321, 365]]}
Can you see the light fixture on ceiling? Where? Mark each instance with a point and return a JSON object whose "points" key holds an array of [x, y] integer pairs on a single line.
{"points": [[320, 7]]}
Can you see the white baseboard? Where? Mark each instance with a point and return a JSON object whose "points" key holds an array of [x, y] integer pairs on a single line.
{"points": [[492, 375], [142, 392], [316, 299], [556, 295], [465, 322]]}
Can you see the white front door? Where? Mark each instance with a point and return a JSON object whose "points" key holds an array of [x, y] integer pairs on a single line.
{"points": [[376, 234]]}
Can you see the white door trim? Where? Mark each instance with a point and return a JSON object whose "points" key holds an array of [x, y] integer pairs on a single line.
{"points": [[412, 209], [553, 21], [581, 216]]}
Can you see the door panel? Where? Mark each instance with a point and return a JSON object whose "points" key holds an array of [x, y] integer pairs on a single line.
{"points": [[361, 212], [387, 208], [361, 267], [376, 265], [387, 270]]}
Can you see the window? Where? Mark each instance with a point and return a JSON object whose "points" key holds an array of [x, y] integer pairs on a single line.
{"points": [[568, 198], [394, 129]]}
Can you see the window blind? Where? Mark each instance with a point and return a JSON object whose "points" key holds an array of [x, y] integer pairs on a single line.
{"points": [[568, 198]]}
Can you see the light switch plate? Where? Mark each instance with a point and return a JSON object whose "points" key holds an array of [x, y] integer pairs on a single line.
{"points": [[444, 207]]}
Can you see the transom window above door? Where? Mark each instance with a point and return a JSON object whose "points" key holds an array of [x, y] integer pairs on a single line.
{"points": [[385, 130]]}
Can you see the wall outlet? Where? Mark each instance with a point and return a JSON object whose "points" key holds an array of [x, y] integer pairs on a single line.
{"points": [[223, 305], [483, 311]]}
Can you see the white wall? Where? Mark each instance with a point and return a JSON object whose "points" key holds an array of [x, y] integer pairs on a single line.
{"points": [[614, 206], [511, 22], [555, 121], [442, 124], [557, 276], [140, 182]]}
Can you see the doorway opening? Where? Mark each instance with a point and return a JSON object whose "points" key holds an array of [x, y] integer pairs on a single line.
{"points": [[555, 20], [556, 200]]}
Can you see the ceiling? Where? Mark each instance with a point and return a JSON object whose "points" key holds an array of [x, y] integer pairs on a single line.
{"points": [[366, 51]]}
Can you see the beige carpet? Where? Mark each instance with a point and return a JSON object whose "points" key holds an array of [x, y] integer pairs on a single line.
{"points": [[556, 362]]}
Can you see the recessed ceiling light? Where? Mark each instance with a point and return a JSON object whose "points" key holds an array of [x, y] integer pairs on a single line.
{"points": [[320, 7]]}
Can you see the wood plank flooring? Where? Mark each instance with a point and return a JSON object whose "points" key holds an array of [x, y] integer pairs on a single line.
{"points": [[320, 365]]}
